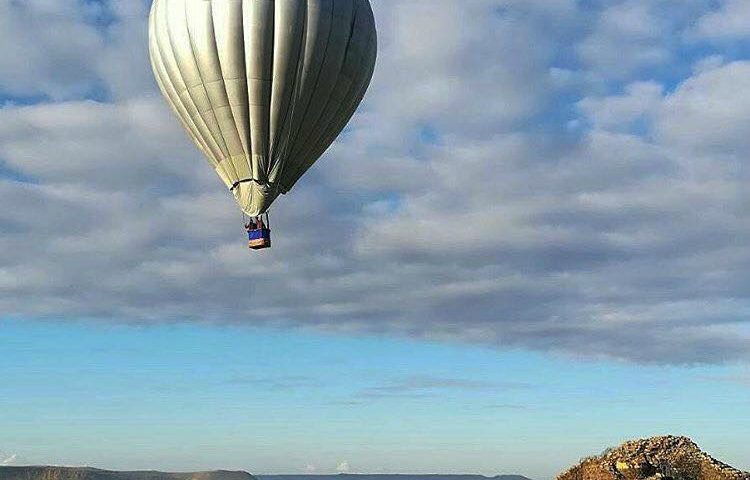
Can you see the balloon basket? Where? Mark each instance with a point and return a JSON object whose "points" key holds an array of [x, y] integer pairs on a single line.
{"points": [[259, 239]]}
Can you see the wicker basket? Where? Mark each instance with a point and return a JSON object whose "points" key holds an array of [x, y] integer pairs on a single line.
{"points": [[259, 239]]}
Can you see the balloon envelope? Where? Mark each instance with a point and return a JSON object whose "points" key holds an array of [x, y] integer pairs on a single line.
{"points": [[263, 87]]}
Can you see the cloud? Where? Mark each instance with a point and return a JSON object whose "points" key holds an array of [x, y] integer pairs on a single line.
{"points": [[506, 406], [620, 112], [626, 37], [637, 38], [457, 66], [552, 176], [102, 146], [741, 378], [730, 21], [284, 383], [343, 467], [63, 49], [47, 48], [422, 386], [8, 459], [706, 114]]}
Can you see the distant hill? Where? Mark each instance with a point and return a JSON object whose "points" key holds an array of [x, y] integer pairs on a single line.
{"points": [[350, 476], [657, 458], [70, 473]]}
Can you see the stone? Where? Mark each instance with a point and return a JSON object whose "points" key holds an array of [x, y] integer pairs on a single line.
{"points": [[665, 458]]}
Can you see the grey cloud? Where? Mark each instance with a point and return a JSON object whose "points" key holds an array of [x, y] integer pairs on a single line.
{"points": [[346, 403], [623, 239], [62, 49], [730, 21], [103, 146], [506, 406], [457, 66], [425, 386], [622, 111], [742, 379], [284, 383], [47, 48], [707, 112], [627, 36]]}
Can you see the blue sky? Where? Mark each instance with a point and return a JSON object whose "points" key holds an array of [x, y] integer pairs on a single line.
{"points": [[591, 153], [270, 401]]}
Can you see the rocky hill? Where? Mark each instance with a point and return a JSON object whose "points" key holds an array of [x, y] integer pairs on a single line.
{"points": [[658, 458], [67, 473]]}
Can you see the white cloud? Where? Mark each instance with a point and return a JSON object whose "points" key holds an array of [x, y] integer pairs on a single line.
{"points": [[709, 63], [63, 49], [619, 112], [457, 207], [7, 459], [343, 467], [47, 47], [708, 112], [627, 36], [457, 65], [104, 146], [730, 21]]}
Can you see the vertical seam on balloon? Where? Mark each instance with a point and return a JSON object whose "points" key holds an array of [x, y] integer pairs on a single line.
{"points": [[269, 114], [355, 100], [325, 132], [315, 86], [258, 76], [248, 137], [226, 90], [310, 134], [334, 129], [174, 98], [229, 160], [351, 106], [228, 154], [294, 96], [225, 150], [269, 95], [343, 64], [157, 65], [302, 140], [203, 129], [253, 173], [218, 154], [349, 102], [326, 105], [165, 78], [330, 96]]}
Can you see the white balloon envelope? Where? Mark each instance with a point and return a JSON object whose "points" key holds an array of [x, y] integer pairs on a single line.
{"points": [[263, 87]]}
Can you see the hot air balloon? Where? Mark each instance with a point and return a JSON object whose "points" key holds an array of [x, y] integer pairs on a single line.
{"points": [[263, 87]]}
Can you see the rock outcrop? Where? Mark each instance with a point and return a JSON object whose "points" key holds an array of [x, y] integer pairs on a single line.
{"points": [[658, 458]]}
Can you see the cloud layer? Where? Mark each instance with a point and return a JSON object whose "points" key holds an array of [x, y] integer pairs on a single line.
{"points": [[538, 174]]}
